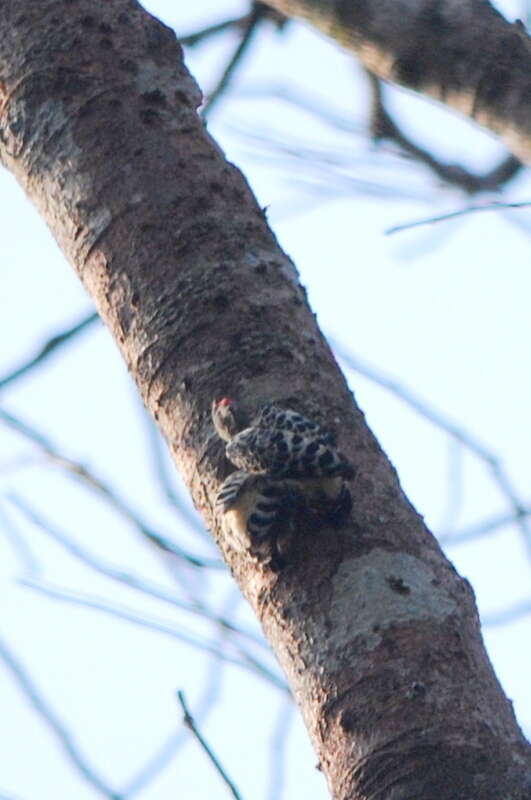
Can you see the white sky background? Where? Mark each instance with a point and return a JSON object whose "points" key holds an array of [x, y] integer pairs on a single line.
{"points": [[444, 309]]}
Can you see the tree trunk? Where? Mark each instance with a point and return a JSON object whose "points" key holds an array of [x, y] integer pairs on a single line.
{"points": [[461, 52], [376, 632]]}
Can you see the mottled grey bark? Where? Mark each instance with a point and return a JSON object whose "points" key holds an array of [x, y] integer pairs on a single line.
{"points": [[461, 52], [376, 632]]}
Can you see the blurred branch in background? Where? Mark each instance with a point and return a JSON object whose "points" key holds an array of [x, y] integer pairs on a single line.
{"points": [[247, 26], [384, 127], [79, 472], [209, 697], [128, 579], [461, 212], [190, 723], [519, 513], [278, 757], [54, 723], [48, 348], [245, 659]]}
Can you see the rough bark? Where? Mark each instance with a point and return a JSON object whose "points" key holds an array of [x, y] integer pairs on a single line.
{"points": [[374, 629], [461, 52]]}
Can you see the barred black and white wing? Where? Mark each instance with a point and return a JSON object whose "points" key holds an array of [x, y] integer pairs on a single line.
{"points": [[255, 507], [274, 417], [287, 454]]}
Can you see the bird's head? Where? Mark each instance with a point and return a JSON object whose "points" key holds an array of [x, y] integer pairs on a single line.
{"points": [[228, 418]]}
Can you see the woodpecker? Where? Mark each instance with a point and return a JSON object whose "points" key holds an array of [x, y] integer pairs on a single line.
{"points": [[285, 445], [258, 514]]}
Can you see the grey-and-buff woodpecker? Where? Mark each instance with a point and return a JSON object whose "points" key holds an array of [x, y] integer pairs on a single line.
{"points": [[286, 463]]}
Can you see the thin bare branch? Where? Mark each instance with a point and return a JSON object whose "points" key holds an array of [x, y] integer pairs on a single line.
{"points": [[482, 528], [80, 472], [508, 615], [249, 27], [494, 206], [47, 349], [164, 476], [188, 720], [191, 39], [279, 736], [454, 501], [383, 126], [54, 723], [30, 564], [245, 660], [171, 745], [407, 396], [121, 576]]}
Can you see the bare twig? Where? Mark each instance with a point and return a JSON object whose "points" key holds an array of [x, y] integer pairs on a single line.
{"points": [[173, 743], [265, 11], [60, 731], [188, 720], [278, 740], [451, 428], [482, 528], [47, 349], [164, 477], [494, 206], [97, 485], [26, 557], [191, 39], [383, 126], [121, 576], [246, 660], [454, 500], [508, 615], [249, 27]]}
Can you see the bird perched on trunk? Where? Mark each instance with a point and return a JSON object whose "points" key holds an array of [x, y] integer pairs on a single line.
{"points": [[285, 462]]}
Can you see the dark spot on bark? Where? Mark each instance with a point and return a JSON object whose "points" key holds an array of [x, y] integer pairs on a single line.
{"points": [[104, 27], [311, 449], [398, 585], [129, 66], [418, 690], [347, 720], [87, 21], [135, 299], [156, 97], [182, 97], [216, 187], [138, 152], [106, 43], [260, 268], [149, 117], [220, 301]]}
